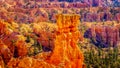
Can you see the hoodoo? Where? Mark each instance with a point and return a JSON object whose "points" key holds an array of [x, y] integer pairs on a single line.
{"points": [[66, 50], [65, 54]]}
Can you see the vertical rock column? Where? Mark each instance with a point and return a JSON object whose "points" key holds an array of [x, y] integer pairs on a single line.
{"points": [[66, 52]]}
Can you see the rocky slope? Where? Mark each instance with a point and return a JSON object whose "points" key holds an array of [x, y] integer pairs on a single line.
{"points": [[28, 11]]}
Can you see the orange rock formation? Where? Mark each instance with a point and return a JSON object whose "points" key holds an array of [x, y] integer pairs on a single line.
{"points": [[66, 50], [66, 53]]}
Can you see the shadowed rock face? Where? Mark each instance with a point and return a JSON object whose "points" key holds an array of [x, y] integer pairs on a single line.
{"points": [[103, 36]]}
